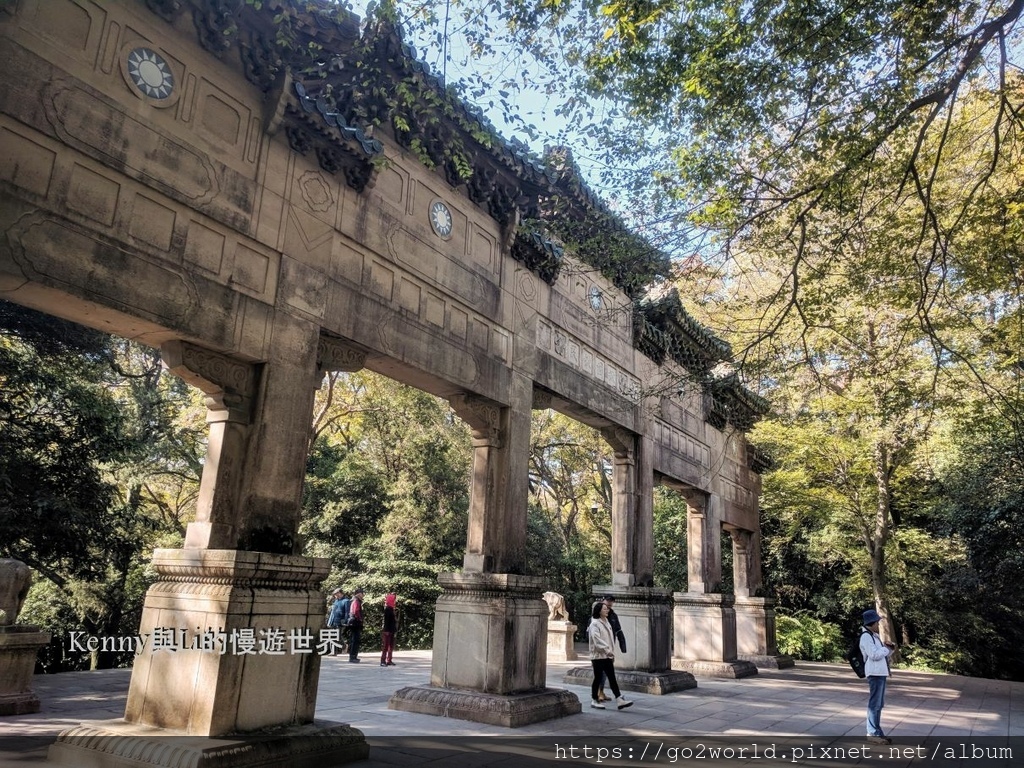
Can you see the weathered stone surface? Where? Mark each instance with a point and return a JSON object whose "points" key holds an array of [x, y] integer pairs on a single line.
{"points": [[19, 647], [490, 634], [509, 711], [561, 645], [638, 681], [732, 669], [116, 744], [201, 691]]}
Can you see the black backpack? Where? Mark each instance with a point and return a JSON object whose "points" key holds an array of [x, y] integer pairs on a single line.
{"points": [[855, 657]]}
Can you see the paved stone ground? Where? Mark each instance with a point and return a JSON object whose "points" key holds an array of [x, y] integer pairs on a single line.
{"points": [[816, 703]]}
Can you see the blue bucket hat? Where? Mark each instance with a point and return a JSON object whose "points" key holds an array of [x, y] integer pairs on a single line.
{"points": [[871, 616]]}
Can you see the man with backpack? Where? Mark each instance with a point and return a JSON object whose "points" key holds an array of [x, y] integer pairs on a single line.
{"points": [[876, 668]]}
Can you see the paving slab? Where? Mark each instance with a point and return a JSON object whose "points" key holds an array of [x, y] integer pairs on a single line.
{"points": [[811, 703]]}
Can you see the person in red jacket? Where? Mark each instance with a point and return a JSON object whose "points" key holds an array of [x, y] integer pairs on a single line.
{"points": [[355, 626]]}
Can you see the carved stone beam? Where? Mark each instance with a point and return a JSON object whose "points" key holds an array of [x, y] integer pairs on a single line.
{"points": [[337, 355], [541, 400], [229, 384], [483, 417], [621, 441]]}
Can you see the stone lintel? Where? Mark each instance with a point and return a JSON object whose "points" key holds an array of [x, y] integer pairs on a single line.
{"points": [[778, 661], [629, 594], [510, 585], [240, 568], [117, 744], [510, 711], [731, 669], [636, 680]]}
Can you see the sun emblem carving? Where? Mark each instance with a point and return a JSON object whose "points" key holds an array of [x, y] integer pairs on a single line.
{"points": [[441, 219], [150, 73]]}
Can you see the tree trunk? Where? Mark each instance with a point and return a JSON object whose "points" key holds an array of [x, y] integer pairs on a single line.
{"points": [[880, 538]]}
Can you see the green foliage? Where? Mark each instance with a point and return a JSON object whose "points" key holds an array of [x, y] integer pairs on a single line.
{"points": [[804, 636], [99, 462], [670, 553], [57, 429]]}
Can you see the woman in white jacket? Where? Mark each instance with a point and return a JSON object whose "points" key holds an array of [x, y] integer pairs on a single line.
{"points": [[602, 656], [876, 668]]}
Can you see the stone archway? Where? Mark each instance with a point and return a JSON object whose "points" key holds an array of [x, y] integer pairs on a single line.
{"points": [[234, 215]]}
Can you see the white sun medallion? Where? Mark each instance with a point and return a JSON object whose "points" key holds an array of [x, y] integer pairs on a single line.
{"points": [[441, 219], [150, 73]]}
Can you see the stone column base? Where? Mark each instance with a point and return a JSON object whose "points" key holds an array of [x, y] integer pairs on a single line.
{"points": [[511, 711], [24, 703], [778, 661], [638, 681], [732, 669], [117, 744], [19, 646], [561, 646]]}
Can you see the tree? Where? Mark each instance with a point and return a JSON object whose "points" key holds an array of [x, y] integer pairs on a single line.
{"points": [[100, 455], [777, 124], [57, 428]]}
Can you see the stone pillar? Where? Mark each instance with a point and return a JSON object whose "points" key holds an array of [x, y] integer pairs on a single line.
{"points": [[741, 577], [645, 614], [705, 636], [624, 505], [490, 656], [496, 538], [704, 549], [755, 634], [490, 627], [222, 596], [755, 616], [230, 388], [704, 623], [237, 612], [644, 559]]}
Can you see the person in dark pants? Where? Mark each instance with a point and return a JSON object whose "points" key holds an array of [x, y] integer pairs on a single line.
{"points": [[620, 636], [388, 630], [338, 617], [602, 656], [355, 626], [876, 668]]}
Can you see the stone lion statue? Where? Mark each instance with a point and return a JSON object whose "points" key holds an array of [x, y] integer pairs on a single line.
{"points": [[15, 579], [556, 607]]}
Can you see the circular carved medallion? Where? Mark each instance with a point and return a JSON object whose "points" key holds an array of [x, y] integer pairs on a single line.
{"points": [[441, 219], [150, 73]]}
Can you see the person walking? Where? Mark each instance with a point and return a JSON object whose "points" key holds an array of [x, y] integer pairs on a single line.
{"points": [[602, 656], [390, 627], [876, 669], [355, 626], [620, 636]]}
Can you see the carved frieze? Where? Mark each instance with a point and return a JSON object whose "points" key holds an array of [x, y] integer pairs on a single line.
{"points": [[621, 441], [229, 384], [336, 355], [483, 417]]}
